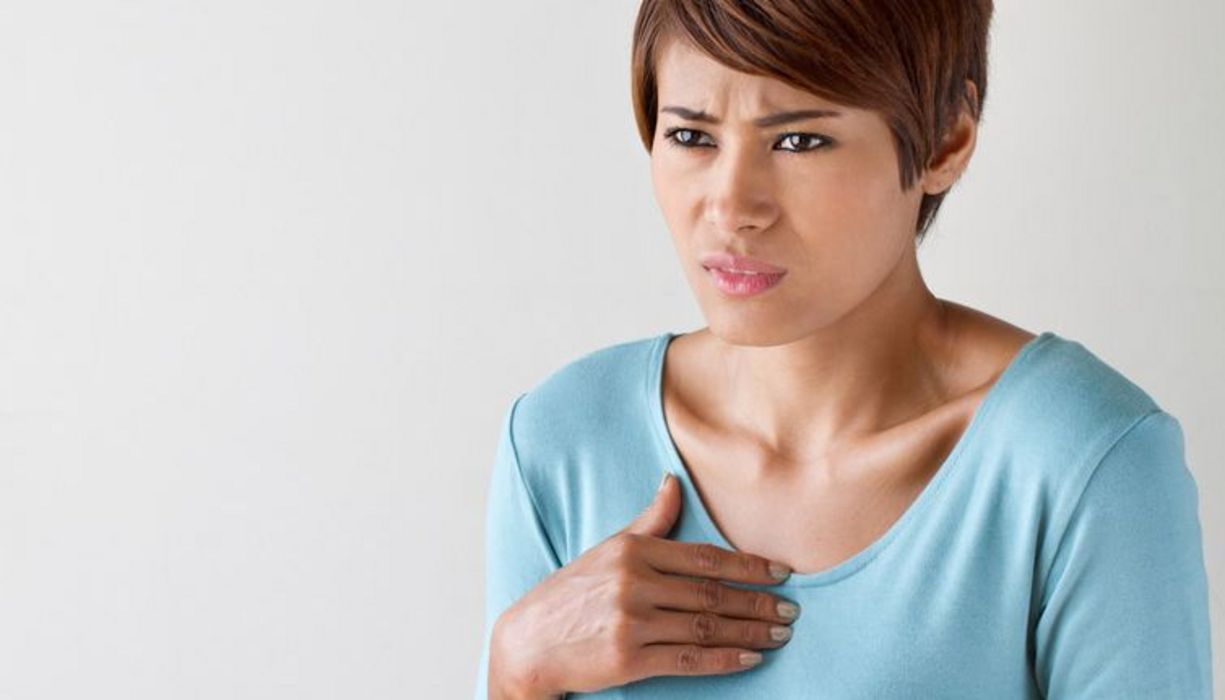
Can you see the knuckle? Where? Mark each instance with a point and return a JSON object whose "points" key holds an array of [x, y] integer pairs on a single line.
{"points": [[750, 566], [621, 659], [623, 630], [704, 628], [626, 545], [706, 557], [730, 660], [753, 633], [624, 577], [689, 659], [623, 591], [710, 594], [762, 604], [624, 567]]}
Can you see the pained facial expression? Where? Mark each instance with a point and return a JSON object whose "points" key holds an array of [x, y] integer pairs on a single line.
{"points": [[819, 197]]}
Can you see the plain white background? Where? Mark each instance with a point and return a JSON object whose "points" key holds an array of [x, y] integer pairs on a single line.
{"points": [[270, 273]]}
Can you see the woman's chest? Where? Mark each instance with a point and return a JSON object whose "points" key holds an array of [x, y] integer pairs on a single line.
{"points": [[810, 527], [880, 639], [809, 518]]}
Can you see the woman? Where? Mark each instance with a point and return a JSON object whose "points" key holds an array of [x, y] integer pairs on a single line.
{"points": [[965, 508]]}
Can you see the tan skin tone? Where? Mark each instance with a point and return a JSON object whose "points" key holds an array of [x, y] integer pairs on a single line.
{"points": [[901, 373]]}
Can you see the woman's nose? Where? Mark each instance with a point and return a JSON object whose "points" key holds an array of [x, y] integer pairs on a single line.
{"points": [[740, 194]]}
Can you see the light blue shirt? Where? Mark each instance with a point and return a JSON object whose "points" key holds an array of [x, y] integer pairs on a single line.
{"points": [[1055, 553]]}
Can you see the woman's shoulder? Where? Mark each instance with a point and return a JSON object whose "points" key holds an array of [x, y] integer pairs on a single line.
{"points": [[579, 432], [1061, 405], [1064, 384], [592, 381], [1056, 384], [1067, 408], [588, 397]]}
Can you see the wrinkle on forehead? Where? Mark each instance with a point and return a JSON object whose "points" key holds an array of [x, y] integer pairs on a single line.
{"points": [[703, 83]]}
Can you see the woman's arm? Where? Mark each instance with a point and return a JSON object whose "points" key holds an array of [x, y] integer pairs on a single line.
{"points": [[518, 552], [1125, 606]]}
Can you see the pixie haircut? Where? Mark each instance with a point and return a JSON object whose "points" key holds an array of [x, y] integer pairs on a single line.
{"points": [[907, 60]]}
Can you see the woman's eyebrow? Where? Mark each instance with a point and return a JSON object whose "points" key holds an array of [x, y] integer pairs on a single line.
{"points": [[698, 115]]}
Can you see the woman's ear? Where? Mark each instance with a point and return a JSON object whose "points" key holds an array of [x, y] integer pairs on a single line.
{"points": [[953, 155]]}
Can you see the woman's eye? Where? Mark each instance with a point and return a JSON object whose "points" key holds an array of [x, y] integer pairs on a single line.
{"points": [[795, 143], [674, 139], [811, 139]]}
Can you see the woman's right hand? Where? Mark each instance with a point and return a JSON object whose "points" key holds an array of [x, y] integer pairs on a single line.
{"points": [[637, 605]]}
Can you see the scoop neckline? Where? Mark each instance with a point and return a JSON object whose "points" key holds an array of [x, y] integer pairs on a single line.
{"points": [[676, 466]]}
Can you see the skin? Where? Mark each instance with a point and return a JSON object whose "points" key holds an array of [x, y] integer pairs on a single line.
{"points": [[634, 606], [900, 372]]}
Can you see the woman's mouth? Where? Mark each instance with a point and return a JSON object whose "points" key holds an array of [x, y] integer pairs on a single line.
{"points": [[743, 284]]}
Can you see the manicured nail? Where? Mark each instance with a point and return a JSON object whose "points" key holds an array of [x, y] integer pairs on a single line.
{"points": [[779, 571], [788, 610], [780, 633], [749, 658]]}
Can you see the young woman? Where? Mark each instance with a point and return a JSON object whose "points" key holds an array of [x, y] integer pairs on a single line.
{"points": [[964, 508]]}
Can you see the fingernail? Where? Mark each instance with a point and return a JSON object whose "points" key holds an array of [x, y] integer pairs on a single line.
{"points": [[788, 610], [780, 633], [662, 482], [749, 658], [779, 571]]}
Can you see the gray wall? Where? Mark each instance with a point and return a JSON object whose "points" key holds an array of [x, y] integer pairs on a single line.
{"points": [[271, 271]]}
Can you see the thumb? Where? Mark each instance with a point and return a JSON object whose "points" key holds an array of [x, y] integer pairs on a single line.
{"points": [[659, 517]]}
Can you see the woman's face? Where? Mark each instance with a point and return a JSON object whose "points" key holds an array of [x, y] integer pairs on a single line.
{"points": [[819, 197]]}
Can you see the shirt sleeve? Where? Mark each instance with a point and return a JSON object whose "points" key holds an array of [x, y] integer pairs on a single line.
{"points": [[518, 551], [1125, 606]]}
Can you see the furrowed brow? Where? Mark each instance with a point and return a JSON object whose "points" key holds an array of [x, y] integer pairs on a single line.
{"points": [[698, 115]]}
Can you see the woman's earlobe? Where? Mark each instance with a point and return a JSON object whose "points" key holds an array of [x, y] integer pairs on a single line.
{"points": [[953, 155]]}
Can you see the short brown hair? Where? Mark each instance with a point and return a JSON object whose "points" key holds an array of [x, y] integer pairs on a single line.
{"points": [[909, 60]]}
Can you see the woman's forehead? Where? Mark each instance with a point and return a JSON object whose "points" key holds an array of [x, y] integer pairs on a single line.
{"points": [[689, 77]]}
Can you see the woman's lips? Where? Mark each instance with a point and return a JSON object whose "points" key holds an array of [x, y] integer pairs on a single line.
{"points": [[743, 284], [737, 263]]}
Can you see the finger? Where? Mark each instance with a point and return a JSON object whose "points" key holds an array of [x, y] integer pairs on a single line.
{"points": [[658, 518], [692, 660], [711, 630], [709, 561], [709, 595]]}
